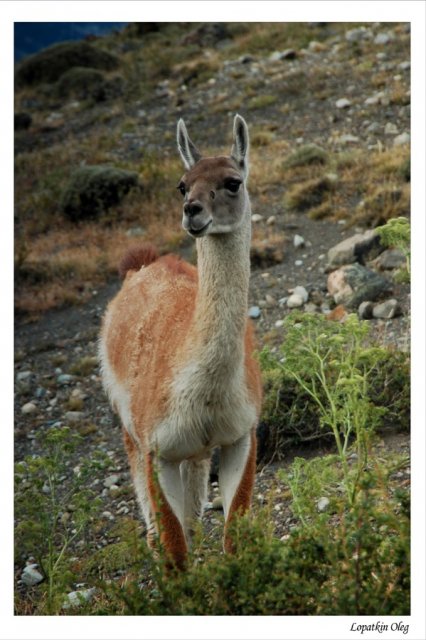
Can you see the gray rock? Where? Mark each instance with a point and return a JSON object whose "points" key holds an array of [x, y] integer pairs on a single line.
{"points": [[391, 129], [23, 375], [111, 480], [387, 310], [358, 247], [74, 416], [358, 34], [352, 284], [403, 138], [365, 310], [390, 259], [77, 598], [30, 576], [383, 37], [254, 313], [323, 504], [65, 378]]}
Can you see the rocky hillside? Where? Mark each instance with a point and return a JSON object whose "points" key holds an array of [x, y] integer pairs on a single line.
{"points": [[328, 106]]}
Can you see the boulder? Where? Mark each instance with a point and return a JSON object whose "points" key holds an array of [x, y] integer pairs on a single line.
{"points": [[358, 248], [352, 284]]}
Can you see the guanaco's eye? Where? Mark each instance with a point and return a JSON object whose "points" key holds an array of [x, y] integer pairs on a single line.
{"points": [[181, 187], [232, 185]]}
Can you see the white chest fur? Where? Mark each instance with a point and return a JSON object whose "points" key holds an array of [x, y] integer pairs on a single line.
{"points": [[205, 412]]}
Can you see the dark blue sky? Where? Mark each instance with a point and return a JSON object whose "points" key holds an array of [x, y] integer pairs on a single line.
{"points": [[33, 36]]}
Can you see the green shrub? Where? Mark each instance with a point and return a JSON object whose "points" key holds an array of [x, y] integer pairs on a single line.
{"points": [[306, 155], [52, 515], [397, 233], [326, 379], [50, 63], [93, 190]]}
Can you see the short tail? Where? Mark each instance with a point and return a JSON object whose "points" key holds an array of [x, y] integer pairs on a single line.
{"points": [[137, 257]]}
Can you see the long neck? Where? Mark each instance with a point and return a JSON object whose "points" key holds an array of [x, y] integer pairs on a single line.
{"points": [[221, 307]]}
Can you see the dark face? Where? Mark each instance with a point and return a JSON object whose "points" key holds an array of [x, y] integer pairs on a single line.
{"points": [[214, 197]]}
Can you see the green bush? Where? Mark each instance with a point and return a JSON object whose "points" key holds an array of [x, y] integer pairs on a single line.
{"points": [[49, 64], [308, 154], [95, 189], [326, 377]]}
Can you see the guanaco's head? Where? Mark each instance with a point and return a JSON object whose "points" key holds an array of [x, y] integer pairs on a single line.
{"points": [[214, 189]]}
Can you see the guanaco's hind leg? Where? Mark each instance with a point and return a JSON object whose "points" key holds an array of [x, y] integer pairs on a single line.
{"points": [[236, 479]]}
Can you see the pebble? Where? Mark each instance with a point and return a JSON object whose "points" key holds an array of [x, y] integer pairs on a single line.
{"points": [[301, 291], [294, 301], [391, 129], [74, 416], [217, 503], [403, 138], [279, 324], [29, 407], [111, 480], [343, 103], [254, 312], [30, 576], [270, 301], [348, 138], [271, 220], [298, 263], [256, 217], [383, 37], [387, 310], [360, 33], [298, 241], [65, 378], [310, 307], [23, 375], [323, 504]]}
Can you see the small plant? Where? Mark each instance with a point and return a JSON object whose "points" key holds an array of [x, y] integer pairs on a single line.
{"points": [[52, 509], [326, 372], [396, 233]]}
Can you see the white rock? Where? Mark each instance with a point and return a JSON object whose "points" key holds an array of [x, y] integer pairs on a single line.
{"points": [[74, 416], [110, 480], [24, 375], [254, 312], [348, 138], [298, 263], [301, 291], [391, 129], [383, 37], [294, 301], [323, 504], [360, 33], [271, 220], [30, 576], [343, 103], [256, 217], [403, 138], [29, 407], [77, 598], [279, 323], [298, 241]]}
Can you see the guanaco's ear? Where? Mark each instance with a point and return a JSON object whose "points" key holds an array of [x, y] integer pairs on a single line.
{"points": [[240, 147], [187, 149]]}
